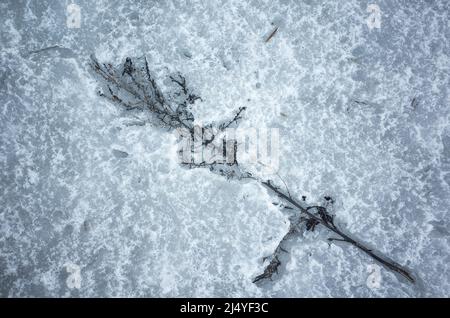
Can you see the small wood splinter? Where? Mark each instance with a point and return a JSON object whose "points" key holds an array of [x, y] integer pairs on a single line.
{"points": [[271, 35]]}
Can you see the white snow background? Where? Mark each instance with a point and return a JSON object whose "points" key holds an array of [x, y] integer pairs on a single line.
{"points": [[80, 218]]}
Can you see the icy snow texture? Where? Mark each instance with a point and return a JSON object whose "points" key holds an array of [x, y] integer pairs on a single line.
{"points": [[139, 225]]}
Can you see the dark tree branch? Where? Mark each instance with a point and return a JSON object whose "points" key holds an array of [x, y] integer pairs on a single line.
{"points": [[325, 221], [133, 87]]}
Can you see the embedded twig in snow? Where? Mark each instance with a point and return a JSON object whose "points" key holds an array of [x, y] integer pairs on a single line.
{"points": [[133, 87], [359, 102]]}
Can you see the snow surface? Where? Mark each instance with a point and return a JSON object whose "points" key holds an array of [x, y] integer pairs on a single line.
{"points": [[91, 206]]}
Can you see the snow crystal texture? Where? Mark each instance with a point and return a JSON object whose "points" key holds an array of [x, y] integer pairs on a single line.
{"points": [[93, 206]]}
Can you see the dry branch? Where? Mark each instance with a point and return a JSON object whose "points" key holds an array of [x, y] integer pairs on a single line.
{"points": [[324, 218], [133, 87]]}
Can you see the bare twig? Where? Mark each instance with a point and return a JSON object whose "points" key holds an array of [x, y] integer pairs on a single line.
{"points": [[414, 103], [271, 35], [44, 49]]}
